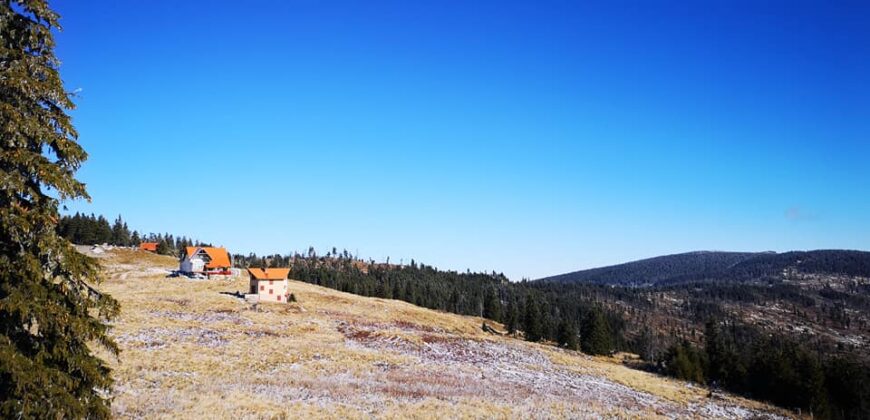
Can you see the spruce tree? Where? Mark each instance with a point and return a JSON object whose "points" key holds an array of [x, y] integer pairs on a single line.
{"points": [[567, 335], [163, 248], [595, 334], [511, 317], [492, 306], [49, 308], [104, 231], [532, 325], [685, 362], [120, 233]]}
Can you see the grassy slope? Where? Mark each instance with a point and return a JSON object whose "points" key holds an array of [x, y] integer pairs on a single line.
{"points": [[190, 351]]}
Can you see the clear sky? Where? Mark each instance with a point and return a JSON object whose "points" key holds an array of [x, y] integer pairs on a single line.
{"points": [[532, 138]]}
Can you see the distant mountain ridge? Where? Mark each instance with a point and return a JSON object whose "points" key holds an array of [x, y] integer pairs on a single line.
{"points": [[719, 266]]}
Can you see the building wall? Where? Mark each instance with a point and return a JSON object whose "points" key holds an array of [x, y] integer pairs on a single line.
{"points": [[191, 265], [278, 288]]}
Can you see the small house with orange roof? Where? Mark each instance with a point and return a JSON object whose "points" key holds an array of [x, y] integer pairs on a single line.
{"points": [[270, 284], [148, 246], [205, 260]]}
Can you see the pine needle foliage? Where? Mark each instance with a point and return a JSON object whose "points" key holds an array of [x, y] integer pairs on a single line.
{"points": [[50, 311]]}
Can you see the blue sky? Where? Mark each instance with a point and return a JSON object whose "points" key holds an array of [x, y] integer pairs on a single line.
{"points": [[531, 138]]}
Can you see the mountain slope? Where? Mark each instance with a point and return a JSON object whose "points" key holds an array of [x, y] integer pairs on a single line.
{"points": [[189, 350], [655, 270], [724, 266]]}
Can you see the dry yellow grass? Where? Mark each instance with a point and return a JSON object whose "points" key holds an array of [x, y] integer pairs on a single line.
{"points": [[191, 351]]}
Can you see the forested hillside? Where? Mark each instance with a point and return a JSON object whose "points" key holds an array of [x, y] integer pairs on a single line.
{"points": [[666, 268], [722, 266], [791, 328]]}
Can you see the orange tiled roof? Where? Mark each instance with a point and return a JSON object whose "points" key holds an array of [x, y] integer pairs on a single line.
{"points": [[269, 273], [148, 246], [220, 258]]}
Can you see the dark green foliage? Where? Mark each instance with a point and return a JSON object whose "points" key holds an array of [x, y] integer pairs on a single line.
{"points": [[121, 233], [567, 335], [532, 325], [164, 248], [87, 230], [92, 230], [49, 309], [848, 386], [595, 335], [492, 305], [725, 367], [511, 318], [685, 362], [463, 293], [786, 372]]}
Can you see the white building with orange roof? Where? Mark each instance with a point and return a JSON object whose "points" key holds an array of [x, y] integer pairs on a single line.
{"points": [[270, 284], [206, 260]]}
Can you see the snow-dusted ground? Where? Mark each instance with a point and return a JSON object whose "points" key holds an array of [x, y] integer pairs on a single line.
{"points": [[190, 350], [503, 371]]}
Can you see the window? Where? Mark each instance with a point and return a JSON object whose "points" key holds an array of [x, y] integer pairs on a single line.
{"points": [[270, 291], [270, 282], [279, 298], [262, 288]]}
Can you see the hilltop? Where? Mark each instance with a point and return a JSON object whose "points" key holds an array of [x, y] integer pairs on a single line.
{"points": [[657, 270], [723, 266], [189, 348]]}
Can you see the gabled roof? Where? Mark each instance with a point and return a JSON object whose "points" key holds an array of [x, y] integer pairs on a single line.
{"points": [[269, 273], [218, 257], [148, 246]]}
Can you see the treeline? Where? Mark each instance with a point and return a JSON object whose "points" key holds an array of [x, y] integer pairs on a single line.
{"points": [[835, 261], [723, 266], [783, 371], [524, 311], [667, 268], [85, 229]]}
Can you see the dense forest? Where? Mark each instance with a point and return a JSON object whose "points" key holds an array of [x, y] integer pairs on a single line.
{"points": [[93, 230], [785, 371], [721, 266], [657, 270]]}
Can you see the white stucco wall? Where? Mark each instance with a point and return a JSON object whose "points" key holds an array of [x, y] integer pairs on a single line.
{"points": [[190, 265]]}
